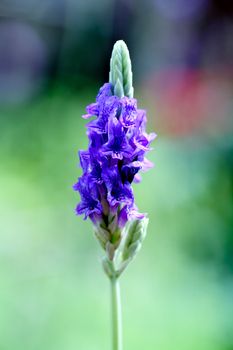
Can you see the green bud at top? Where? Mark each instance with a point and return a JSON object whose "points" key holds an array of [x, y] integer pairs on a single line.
{"points": [[120, 75]]}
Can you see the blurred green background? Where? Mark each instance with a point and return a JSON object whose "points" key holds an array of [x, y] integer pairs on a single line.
{"points": [[54, 56]]}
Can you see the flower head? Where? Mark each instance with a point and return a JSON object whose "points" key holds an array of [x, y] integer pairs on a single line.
{"points": [[118, 143]]}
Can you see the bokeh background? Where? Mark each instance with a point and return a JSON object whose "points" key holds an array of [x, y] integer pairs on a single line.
{"points": [[54, 56]]}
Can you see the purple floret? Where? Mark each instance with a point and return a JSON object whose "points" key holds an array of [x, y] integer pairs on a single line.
{"points": [[90, 199], [128, 112], [117, 146], [117, 192], [118, 143]]}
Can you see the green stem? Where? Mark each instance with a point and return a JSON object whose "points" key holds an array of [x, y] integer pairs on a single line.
{"points": [[116, 315]]}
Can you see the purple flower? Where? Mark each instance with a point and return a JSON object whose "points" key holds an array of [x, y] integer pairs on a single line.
{"points": [[95, 109], [117, 191], [129, 171], [109, 109], [117, 146], [90, 203], [104, 92], [92, 109], [84, 159], [128, 213], [96, 171], [118, 143], [128, 112]]}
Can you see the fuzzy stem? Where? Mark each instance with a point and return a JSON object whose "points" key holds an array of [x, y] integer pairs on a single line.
{"points": [[116, 315]]}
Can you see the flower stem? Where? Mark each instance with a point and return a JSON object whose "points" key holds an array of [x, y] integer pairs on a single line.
{"points": [[116, 315]]}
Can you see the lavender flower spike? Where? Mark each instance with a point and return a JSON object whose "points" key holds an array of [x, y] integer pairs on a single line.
{"points": [[118, 143]]}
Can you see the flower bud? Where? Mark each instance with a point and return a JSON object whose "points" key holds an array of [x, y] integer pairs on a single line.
{"points": [[135, 234]]}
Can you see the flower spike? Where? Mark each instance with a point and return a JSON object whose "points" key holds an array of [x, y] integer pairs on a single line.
{"points": [[118, 144], [115, 156]]}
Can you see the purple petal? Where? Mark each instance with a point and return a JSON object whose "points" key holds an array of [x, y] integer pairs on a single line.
{"points": [[147, 165], [84, 158], [117, 145], [90, 202], [129, 111], [92, 110], [128, 213], [117, 191], [129, 171], [104, 91]]}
